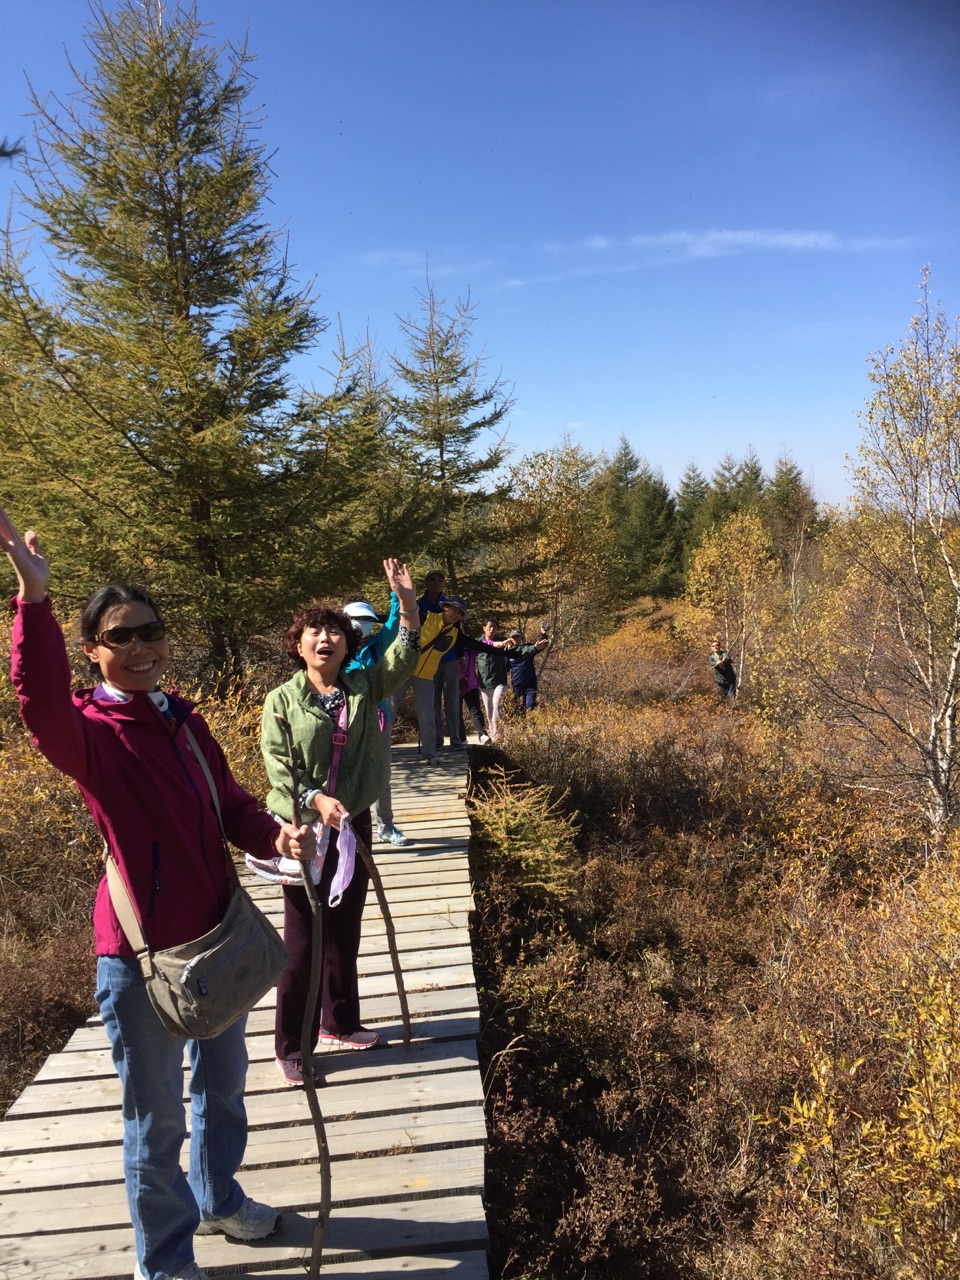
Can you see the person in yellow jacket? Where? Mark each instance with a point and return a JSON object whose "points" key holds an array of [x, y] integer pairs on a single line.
{"points": [[439, 633], [437, 673]]}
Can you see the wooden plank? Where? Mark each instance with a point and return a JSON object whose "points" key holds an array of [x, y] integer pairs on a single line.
{"points": [[338, 1068], [376, 1010], [449, 1266], [414, 1227], [369, 1180], [451, 870], [412, 916], [346, 1137], [97, 1061], [86, 1130]]}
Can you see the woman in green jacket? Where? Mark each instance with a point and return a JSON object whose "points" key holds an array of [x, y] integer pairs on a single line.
{"points": [[322, 700]]}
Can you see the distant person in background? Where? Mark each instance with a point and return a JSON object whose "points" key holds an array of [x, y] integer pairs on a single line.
{"points": [[372, 648], [470, 694], [523, 671], [724, 672], [469, 652], [447, 678], [431, 600], [438, 638], [492, 671], [430, 603]]}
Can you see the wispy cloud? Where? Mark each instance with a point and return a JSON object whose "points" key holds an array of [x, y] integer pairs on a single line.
{"points": [[552, 262], [411, 263], [718, 243]]}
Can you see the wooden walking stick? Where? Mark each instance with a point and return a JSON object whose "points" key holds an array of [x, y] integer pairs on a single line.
{"points": [[306, 1032]]}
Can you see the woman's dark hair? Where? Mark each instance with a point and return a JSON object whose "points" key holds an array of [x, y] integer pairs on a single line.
{"points": [[317, 616], [106, 598], [98, 604]]}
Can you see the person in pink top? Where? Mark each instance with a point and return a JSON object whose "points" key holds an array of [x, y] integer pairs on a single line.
{"points": [[122, 743]]}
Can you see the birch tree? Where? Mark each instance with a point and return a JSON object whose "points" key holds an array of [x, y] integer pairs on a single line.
{"points": [[896, 672]]}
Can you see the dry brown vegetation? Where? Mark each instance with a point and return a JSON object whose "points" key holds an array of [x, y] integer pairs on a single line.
{"points": [[721, 1033]]}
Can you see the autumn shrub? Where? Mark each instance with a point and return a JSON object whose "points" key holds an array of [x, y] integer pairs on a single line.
{"points": [[625, 1049], [641, 661], [870, 1014]]}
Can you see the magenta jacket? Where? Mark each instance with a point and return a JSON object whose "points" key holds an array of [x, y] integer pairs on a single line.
{"points": [[143, 787]]}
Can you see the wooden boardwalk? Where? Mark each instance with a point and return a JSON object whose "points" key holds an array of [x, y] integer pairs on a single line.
{"points": [[405, 1127]]}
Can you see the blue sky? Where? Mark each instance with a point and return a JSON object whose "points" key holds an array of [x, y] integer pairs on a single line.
{"points": [[687, 222]]}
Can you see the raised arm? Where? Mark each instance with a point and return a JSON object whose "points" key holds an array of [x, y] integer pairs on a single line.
{"points": [[29, 563]]}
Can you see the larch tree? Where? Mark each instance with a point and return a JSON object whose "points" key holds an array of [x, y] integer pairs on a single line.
{"points": [[551, 558], [692, 493], [734, 588], [448, 418], [150, 430]]}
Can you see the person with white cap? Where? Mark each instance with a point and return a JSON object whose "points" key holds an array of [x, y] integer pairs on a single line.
{"points": [[371, 650]]}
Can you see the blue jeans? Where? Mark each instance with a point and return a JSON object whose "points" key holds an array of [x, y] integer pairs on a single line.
{"points": [[165, 1205], [525, 699]]}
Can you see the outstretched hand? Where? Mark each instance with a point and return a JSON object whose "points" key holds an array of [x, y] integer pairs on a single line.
{"points": [[398, 575], [401, 582], [27, 559]]}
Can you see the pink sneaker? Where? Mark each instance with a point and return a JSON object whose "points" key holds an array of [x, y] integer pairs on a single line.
{"points": [[292, 1069], [359, 1039]]}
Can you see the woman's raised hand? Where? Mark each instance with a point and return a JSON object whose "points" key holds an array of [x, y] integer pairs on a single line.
{"points": [[400, 580], [28, 560], [398, 575]]}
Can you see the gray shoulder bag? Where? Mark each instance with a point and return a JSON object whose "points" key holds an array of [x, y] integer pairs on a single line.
{"points": [[200, 988]]}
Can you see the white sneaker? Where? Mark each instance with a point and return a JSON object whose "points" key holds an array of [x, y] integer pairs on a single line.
{"points": [[252, 1221], [484, 739], [393, 835]]}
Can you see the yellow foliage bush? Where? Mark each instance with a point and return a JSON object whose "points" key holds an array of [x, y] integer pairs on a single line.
{"points": [[871, 1010]]}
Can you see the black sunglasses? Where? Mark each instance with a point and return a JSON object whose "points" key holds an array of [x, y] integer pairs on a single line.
{"points": [[120, 637]]}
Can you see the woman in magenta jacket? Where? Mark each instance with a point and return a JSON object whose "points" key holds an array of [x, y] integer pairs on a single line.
{"points": [[122, 743]]}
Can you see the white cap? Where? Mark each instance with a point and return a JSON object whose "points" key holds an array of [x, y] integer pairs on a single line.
{"points": [[360, 609]]}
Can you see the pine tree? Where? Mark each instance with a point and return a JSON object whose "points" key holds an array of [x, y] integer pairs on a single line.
{"points": [[150, 432], [631, 501], [790, 511], [443, 410], [692, 493]]}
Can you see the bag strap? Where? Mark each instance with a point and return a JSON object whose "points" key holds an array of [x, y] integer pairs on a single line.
{"points": [[124, 908], [339, 742], [431, 644], [205, 768], [120, 897]]}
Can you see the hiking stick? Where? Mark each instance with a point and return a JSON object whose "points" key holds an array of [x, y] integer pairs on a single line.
{"points": [[306, 1031], [367, 858]]}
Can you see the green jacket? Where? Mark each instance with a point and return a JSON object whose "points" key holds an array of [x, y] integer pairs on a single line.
{"points": [[362, 775]]}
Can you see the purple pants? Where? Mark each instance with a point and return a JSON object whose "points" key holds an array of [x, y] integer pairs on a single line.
{"points": [[338, 1008]]}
